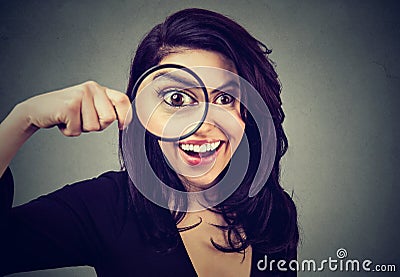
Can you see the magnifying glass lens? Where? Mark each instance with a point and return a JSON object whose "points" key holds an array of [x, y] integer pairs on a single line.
{"points": [[171, 103]]}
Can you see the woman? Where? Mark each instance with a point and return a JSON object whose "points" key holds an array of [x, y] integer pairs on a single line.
{"points": [[106, 222]]}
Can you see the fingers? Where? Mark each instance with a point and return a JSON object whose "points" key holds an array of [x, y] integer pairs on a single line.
{"points": [[72, 121], [122, 106], [104, 109], [90, 118], [109, 105], [90, 107]]}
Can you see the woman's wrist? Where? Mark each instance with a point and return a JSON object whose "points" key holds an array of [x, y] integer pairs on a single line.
{"points": [[20, 117], [15, 130]]}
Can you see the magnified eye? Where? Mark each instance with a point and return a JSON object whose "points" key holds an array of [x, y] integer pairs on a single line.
{"points": [[224, 99], [177, 98]]}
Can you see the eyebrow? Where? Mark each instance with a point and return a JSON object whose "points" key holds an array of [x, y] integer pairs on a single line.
{"points": [[189, 83], [182, 80], [231, 83]]}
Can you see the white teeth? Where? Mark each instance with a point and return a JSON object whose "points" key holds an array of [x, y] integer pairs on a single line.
{"points": [[200, 148], [203, 148]]}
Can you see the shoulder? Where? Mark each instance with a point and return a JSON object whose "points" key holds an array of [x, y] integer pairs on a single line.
{"points": [[108, 191], [109, 183]]}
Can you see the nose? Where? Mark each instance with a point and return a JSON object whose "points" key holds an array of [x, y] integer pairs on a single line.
{"points": [[217, 118], [210, 122], [205, 129]]}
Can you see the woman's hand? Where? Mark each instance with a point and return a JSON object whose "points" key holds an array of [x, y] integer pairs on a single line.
{"points": [[86, 107], [83, 108]]}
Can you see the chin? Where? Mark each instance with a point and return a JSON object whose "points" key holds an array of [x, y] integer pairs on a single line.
{"points": [[200, 182]]}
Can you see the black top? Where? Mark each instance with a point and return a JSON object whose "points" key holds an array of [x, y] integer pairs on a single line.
{"points": [[86, 223]]}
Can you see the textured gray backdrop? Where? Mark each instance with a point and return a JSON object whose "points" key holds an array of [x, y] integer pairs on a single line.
{"points": [[338, 62]]}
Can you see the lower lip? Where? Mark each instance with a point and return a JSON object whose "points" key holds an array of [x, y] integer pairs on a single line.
{"points": [[191, 160]]}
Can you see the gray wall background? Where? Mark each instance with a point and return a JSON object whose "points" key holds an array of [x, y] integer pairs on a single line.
{"points": [[338, 62]]}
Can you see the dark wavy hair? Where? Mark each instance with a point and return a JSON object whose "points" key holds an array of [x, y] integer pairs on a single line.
{"points": [[269, 219]]}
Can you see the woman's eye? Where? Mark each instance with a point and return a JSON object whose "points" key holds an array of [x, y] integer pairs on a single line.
{"points": [[224, 99], [177, 98]]}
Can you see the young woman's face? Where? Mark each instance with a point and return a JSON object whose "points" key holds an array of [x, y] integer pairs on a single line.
{"points": [[206, 153]]}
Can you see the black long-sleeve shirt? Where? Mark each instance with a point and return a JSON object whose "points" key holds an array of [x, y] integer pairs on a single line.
{"points": [[85, 223]]}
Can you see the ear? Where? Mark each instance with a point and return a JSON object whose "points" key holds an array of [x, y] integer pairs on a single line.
{"points": [[243, 112]]}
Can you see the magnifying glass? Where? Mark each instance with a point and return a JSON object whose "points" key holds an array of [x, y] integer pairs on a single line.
{"points": [[171, 102]]}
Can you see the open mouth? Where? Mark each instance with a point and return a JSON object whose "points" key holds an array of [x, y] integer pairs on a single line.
{"points": [[198, 151]]}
